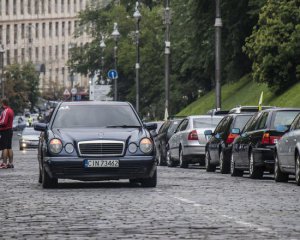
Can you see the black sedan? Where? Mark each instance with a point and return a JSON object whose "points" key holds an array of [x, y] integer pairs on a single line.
{"points": [[287, 153], [219, 147], [92, 141], [254, 149]]}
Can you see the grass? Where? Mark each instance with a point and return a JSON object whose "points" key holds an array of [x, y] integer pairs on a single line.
{"points": [[244, 92]]}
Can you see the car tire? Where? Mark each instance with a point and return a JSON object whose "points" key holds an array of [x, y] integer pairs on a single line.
{"points": [[234, 172], [279, 176], [224, 166], [170, 161], [161, 159], [254, 171], [208, 166], [47, 181], [150, 182], [21, 149], [297, 170], [182, 161], [40, 175]]}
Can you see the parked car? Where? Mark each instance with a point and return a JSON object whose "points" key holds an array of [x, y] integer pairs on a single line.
{"points": [[19, 123], [253, 150], [187, 145], [29, 138], [219, 147], [164, 134], [248, 109], [154, 134], [96, 141], [287, 153]]}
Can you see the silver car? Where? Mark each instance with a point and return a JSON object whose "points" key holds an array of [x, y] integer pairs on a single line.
{"points": [[187, 145]]}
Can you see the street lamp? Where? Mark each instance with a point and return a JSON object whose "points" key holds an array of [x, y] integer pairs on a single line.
{"points": [[167, 57], [137, 15], [116, 35], [218, 27], [2, 51], [102, 46]]}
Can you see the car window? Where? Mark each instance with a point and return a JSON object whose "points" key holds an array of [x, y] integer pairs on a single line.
{"points": [[261, 121], [94, 116], [224, 126], [30, 131], [173, 126], [183, 125], [240, 121], [283, 118], [209, 122], [164, 127], [250, 126], [220, 125]]}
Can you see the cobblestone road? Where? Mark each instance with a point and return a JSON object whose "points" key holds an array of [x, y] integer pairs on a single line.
{"points": [[187, 204]]}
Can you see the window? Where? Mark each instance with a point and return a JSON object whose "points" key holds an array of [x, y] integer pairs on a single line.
{"points": [[7, 7], [63, 51], [30, 33], [43, 6], [50, 74], [261, 122], [1, 34], [44, 30], [29, 7], [49, 6], [8, 57], [56, 29], [69, 6], [36, 54], [50, 52], [50, 29], [62, 6], [183, 125], [22, 6], [23, 54], [75, 6], [69, 28], [81, 5], [250, 126], [15, 7], [44, 54], [56, 74], [36, 6], [283, 118], [63, 29], [56, 6], [16, 55], [23, 31], [37, 30], [7, 34], [15, 33], [30, 53], [56, 51]]}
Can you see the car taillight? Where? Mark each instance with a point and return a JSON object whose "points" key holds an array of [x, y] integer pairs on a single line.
{"points": [[193, 135], [231, 138], [267, 139]]}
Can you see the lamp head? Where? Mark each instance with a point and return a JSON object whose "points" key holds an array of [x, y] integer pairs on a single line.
{"points": [[137, 15], [102, 43], [115, 34]]}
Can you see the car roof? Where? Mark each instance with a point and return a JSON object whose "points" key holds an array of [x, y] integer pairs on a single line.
{"points": [[280, 109], [205, 116], [93, 103]]}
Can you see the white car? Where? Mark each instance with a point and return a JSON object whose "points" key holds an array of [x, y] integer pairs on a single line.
{"points": [[29, 138], [187, 145]]}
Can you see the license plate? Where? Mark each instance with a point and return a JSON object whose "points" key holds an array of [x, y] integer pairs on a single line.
{"points": [[101, 163]]}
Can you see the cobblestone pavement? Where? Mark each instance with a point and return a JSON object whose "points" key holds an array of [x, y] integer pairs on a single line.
{"points": [[187, 204]]}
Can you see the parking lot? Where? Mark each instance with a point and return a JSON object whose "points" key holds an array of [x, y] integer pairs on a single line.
{"points": [[186, 204]]}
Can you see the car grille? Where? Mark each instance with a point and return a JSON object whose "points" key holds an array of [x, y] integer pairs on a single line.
{"points": [[101, 148]]}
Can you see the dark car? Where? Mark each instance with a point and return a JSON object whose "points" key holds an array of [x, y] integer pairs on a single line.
{"points": [[165, 132], [219, 147], [287, 153], [93, 141], [253, 150]]}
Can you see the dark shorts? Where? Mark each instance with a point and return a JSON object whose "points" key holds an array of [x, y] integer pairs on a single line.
{"points": [[6, 139]]}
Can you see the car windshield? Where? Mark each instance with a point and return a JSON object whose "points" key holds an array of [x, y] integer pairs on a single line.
{"points": [[284, 118], [241, 121], [206, 122], [95, 116], [30, 131]]}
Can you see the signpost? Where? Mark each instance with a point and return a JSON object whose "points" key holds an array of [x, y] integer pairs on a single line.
{"points": [[67, 94], [112, 74]]}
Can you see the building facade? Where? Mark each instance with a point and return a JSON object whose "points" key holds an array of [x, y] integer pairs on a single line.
{"points": [[42, 31]]}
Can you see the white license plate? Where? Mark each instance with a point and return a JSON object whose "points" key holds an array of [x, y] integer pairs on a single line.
{"points": [[101, 163]]}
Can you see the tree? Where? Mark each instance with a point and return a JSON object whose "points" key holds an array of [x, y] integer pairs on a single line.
{"points": [[274, 44]]}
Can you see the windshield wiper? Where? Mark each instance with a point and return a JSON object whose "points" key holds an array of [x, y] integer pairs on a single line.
{"points": [[123, 126]]}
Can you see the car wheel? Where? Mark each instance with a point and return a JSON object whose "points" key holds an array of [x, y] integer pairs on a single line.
{"points": [[297, 170], [161, 160], [233, 171], [208, 166], [279, 176], [21, 149], [254, 171], [170, 161], [182, 161], [47, 181], [150, 182], [224, 166]]}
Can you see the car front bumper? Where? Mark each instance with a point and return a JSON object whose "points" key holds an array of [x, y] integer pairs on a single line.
{"points": [[73, 168]]}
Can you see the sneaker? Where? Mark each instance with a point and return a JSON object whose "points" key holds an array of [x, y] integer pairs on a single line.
{"points": [[10, 165], [3, 165]]}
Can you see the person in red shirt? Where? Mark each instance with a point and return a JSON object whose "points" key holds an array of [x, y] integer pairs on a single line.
{"points": [[6, 132]]}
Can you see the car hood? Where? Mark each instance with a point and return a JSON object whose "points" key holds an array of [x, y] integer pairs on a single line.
{"points": [[119, 134]]}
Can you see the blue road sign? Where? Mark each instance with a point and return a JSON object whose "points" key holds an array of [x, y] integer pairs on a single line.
{"points": [[112, 74]]}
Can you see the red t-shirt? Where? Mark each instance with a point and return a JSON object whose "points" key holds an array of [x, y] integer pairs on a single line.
{"points": [[6, 119]]}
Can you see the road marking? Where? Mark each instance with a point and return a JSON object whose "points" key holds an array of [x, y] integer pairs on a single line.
{"points": [[234, 219]]}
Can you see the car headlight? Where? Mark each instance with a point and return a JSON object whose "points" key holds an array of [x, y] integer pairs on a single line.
{"points": [[69, 148], [55, 145], [146, 145], [132, 148]]}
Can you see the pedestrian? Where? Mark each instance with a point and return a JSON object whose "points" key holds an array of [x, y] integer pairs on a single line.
{"points": [[30, 121], [6, 132]]}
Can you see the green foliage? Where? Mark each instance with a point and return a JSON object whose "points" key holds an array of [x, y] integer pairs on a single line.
{"points": [[274, 44], [21, 86]]}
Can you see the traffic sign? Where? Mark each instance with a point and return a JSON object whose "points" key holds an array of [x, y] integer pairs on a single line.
{"points": [[74, 91], [67, 93], [112, 74]]}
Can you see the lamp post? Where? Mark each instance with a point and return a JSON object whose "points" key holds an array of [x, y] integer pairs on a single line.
{"points": [[116, 35], [102, 46], [167, 57], [137, 15], [218, 27], [2, 69]]}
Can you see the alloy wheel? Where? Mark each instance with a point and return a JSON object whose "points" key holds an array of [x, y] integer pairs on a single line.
{"points": [[232, 165], [251, 164]]}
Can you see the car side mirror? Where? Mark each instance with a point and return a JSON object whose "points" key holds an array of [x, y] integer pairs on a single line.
{"points": [[208, 132], [236, 131], [40, 127], [150, 126]]}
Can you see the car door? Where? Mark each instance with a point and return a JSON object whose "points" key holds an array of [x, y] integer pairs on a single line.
{"points": [[174, 141], [257, 135], [293, 139]]}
